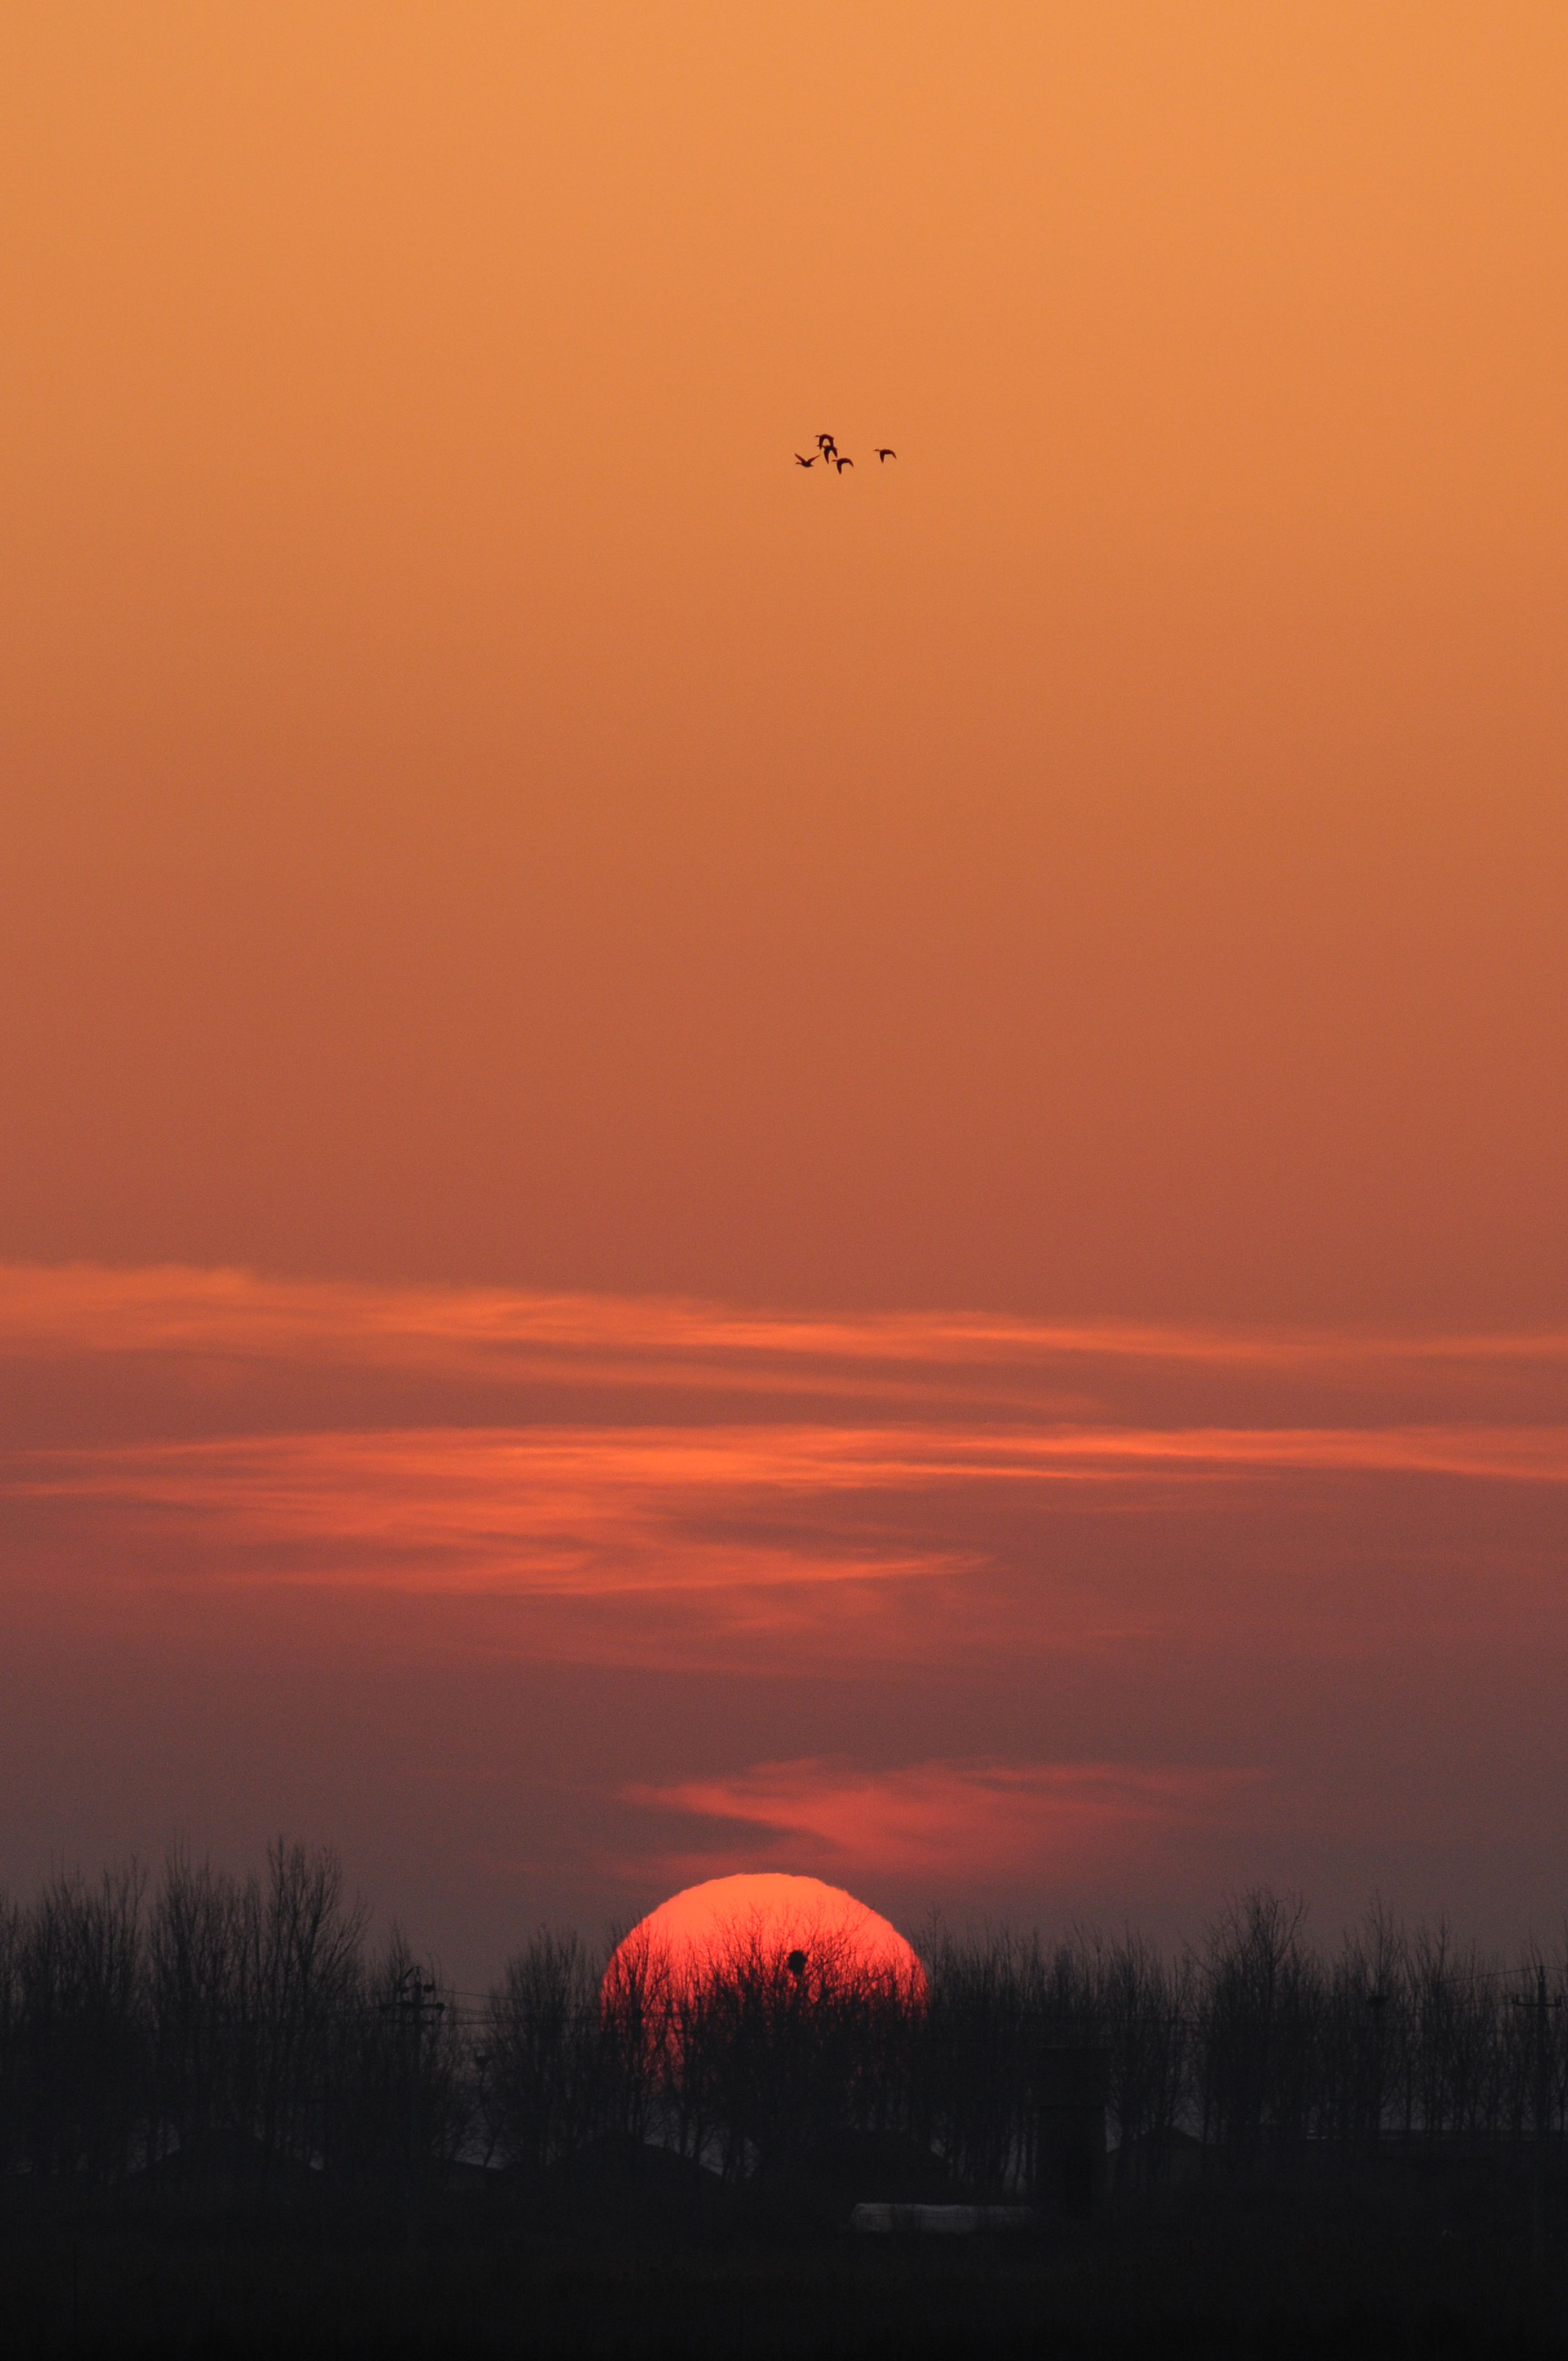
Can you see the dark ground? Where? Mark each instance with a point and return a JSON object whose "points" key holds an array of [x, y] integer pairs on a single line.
{"points": [[1402, 2267]]}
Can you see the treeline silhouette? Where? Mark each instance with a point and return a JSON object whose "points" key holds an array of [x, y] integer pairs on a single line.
{"points": [[205, 2023]]}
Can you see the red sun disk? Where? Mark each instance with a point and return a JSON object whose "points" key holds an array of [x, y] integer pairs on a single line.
{"points": [[769, 1920]]}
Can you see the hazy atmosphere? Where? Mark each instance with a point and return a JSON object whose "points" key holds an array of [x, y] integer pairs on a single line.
{"points": [[704, 1166]]}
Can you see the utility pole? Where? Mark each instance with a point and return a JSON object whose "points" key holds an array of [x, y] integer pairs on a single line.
{"points": [[1541, 2005], [414, 2006]]}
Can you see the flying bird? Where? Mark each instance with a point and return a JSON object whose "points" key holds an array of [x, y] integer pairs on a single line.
{"points": [[807, 463], [887, 455], [842, 464], [826, 442]]}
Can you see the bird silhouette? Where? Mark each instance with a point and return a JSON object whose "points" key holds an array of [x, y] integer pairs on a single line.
{"points": [[826, 442], [807, 463], [887, 455], [842, 464]]}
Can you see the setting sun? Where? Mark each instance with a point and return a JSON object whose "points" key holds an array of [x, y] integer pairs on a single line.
{"points": [[764, 1924]]}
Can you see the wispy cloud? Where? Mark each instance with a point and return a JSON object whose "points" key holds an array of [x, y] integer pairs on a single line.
{"points": [[175, 1314], [962, 1823], [1051, 1559], [909, 1513]]}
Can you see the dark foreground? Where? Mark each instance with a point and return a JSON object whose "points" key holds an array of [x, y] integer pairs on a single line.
{"points": [[1277, 2270]]}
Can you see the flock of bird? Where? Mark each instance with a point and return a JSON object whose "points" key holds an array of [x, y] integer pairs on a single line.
{"points": [[827, 451]]}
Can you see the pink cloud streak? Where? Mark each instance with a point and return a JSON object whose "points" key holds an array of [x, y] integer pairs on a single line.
{"points": [[959, 1822], [898, 1522], [178, 1310], [545, 1509]]}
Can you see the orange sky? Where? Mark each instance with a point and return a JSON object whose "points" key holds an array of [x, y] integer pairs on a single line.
{"points": [[475, 815]]}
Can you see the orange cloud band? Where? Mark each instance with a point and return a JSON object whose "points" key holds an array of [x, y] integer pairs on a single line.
{"points": [[901, 1518], [176, 1310], [979, 1820], [530, 1506]]}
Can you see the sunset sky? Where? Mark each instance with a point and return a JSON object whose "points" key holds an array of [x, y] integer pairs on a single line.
{"points": [[703, 1167]]}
